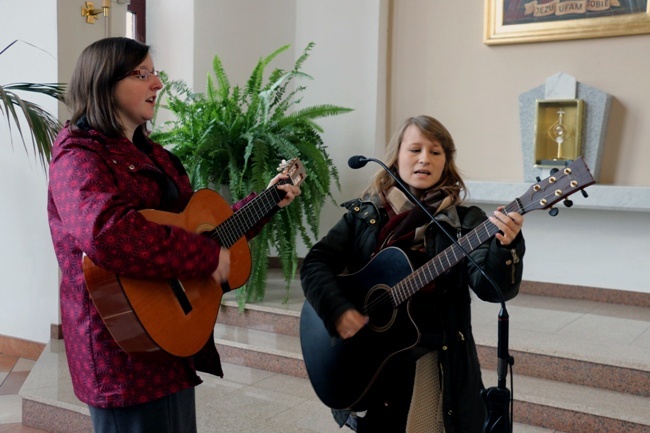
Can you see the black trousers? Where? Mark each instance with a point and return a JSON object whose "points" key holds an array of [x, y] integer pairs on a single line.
{"points": [[387, 412], [175, 413]]}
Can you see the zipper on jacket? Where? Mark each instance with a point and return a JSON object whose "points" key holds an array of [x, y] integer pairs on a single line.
{"points": [[446, 412], [512, 263]]}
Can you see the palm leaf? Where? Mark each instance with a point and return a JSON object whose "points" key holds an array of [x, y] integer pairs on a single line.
{"points": [[42, 125]]}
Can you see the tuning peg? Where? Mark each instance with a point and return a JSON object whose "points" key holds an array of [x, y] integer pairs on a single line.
{"points": [[568, 203], [553, 211], [539, 179], [584, 193], [554, 170]]}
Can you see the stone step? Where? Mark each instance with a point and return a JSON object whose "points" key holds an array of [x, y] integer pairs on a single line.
{"points": [[597, 380], [264, 350], [618, 375], [539, 402], [260, 317], [568, 353], [574, 408], [246, 400]]}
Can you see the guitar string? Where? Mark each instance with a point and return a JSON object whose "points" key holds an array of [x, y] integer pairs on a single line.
{"points": [[400, 291], [232, 228], [242, 218], [401, 287]]}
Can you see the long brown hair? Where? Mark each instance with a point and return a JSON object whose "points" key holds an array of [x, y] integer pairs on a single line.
{"points": [[90, 91], [450, 181]]}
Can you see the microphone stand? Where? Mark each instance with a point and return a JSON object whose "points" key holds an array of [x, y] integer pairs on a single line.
{"points": [[496, 398]]}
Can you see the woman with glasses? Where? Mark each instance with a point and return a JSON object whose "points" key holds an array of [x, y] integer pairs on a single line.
{"points": [[104, 169]]}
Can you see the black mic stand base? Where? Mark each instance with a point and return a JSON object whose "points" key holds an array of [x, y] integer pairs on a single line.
{"points": [[497, 400]]}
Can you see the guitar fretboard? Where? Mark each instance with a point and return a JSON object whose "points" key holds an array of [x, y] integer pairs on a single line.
{"points": [[446, 259], [235, 226]]}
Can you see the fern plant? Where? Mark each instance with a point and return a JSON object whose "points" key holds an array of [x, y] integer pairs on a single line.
{"points": [[237, 136]]}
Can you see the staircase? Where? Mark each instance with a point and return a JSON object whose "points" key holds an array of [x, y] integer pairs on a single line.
{"points": [[580, 365]]}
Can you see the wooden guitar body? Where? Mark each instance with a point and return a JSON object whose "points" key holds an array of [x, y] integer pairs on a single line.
{"points": [[146, 316], [152, 318]]}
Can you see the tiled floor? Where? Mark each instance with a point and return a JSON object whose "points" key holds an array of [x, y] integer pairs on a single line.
{"points": [[13, 372], [249, 400]]}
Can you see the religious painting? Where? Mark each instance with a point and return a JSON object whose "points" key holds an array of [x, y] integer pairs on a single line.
{"points": [[522, 21]]}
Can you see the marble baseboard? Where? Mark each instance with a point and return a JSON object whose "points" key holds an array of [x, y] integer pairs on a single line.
{"points": [[20, 348], [56, 331], [54, 419], [262, 320], [578, 372], [559, 419], [610, 296], [275, 363]]}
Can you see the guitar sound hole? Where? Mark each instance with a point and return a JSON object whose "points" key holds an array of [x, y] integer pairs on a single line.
{"points": [[380, 309], [179, 292]]}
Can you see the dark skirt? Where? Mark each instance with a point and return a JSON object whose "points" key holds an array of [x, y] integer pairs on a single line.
{"points": [[175, 413]]}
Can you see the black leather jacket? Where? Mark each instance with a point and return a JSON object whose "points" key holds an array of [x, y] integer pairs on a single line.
{"points": [[349, 245]]}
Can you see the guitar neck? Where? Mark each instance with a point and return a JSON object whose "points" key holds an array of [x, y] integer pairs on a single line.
{"points": [[239, 223], [448, 258]]}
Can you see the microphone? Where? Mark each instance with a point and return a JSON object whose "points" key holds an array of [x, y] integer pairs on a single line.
{"points": [[496, 398], [358, 161]]}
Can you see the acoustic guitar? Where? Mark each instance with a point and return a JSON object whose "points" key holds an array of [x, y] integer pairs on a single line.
{"points": [[342, 372], [151, 318]]}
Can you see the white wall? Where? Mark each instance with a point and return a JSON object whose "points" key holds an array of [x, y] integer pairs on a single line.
{"points": [[587, 247], [29, 292], [170, 32], [348, 64], [29, 272]]}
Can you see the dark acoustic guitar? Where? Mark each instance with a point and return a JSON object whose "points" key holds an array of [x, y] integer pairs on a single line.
{"points": [[172, 317], [342, 372]]}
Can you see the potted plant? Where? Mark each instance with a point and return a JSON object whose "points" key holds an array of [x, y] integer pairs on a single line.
{"points": [[236, 136], [43, 126]]}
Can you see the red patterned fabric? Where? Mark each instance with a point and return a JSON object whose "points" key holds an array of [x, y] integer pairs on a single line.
{"points": [[96, 186]]}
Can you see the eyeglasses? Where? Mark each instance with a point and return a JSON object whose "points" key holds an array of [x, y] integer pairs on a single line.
{"points": [[144, 74]]}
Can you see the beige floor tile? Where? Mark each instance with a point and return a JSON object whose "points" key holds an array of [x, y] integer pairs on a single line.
{"points": [[10, 409]]}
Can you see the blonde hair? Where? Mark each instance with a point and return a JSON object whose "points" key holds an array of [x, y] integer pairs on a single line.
{"points": [[450, 181]]}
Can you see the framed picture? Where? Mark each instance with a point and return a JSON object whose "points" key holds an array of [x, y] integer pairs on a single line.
{"points": [[523, 21]]}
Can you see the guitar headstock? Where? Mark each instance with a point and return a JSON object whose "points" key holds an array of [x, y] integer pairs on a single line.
{"points": [[566, 181], [294, 169]]}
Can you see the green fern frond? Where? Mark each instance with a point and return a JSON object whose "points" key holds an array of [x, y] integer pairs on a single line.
{"points": [[223, 84], [237, 135], [304, 56]]}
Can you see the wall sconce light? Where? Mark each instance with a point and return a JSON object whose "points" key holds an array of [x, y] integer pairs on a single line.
{"points": [[89, 11]]}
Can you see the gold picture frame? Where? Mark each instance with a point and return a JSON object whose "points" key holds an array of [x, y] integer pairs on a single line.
{"points": [[542, 20]]}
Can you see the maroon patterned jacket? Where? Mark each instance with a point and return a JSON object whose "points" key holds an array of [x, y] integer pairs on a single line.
{"points": [[97, 185]]}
